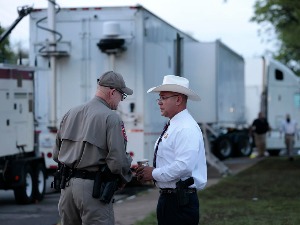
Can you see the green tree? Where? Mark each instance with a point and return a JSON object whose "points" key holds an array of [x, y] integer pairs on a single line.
{"points": [[6, 53], [283, 17], [20, 53]]}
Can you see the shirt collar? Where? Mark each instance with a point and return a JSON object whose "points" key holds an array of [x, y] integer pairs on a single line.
{"points": [[179, 116], [102, 100]]}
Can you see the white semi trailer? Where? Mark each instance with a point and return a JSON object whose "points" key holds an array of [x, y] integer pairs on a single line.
{"points": [[217, 73]]}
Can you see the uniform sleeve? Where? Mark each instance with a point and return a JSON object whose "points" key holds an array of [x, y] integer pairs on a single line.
{"points": [[58, 140], [118, 160]]}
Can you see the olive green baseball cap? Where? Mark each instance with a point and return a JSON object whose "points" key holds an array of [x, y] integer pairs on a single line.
{"points": [[114, 80]]}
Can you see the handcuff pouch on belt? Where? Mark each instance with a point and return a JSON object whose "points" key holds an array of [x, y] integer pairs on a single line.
{"points": [[105, 185], [182, 195]]}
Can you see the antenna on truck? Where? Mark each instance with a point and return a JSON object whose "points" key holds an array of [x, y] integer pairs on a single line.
{"points": [[112, 42]]}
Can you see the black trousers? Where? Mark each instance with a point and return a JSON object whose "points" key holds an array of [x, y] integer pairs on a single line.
{"points": [[169, 213]]}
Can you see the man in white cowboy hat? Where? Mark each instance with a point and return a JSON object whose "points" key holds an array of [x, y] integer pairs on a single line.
{"points": [[179, 164]]}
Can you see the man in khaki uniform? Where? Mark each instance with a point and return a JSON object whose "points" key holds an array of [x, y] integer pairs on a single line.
{"points": [[92, 135]]}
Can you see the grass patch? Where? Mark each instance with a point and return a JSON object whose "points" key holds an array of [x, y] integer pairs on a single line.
{"points": [[267, 193]]}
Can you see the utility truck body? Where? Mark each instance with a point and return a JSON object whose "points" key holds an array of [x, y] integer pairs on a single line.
{"points": [[22, 167], [129, 40]]}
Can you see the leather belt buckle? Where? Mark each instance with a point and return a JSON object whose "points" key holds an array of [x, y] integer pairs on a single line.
{"points": [[172, 191], [167, 191]]}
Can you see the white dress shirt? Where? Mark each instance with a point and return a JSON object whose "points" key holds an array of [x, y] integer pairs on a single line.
{"points": [[181, 154], [289, 128]]}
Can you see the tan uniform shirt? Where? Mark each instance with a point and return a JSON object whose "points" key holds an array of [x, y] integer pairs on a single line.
{"points": [[90, 135]]}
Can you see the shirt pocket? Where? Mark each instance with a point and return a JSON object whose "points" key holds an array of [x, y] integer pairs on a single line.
{"points": [[165, 149]]}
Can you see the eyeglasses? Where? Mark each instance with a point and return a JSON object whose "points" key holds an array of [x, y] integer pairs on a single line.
{"points": [[163, 98], [122, 93]]}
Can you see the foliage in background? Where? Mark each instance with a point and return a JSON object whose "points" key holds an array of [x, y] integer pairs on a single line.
{"points": [[6, 53], [284, 17]]}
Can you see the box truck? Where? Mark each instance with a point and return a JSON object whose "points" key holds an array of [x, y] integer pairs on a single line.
{"points": [[22, 167]]}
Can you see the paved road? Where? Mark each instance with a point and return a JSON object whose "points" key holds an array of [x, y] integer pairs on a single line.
{"points": [[44, 212]]}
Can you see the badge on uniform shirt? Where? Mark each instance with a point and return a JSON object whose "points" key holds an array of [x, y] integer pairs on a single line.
{"points": [[124, 131], [165, 135]]}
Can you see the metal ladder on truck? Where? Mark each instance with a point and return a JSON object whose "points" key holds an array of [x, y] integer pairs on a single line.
{"points": [[210, 157]]}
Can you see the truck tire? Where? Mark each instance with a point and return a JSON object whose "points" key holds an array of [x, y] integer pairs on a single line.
{"points": [[24, 194], [244, 146], [39, 185], [223, 148]]}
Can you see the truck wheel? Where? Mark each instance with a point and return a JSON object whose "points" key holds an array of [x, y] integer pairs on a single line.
{"points": [[39, 184], [244, 146], [24, 194], [223, 148]]}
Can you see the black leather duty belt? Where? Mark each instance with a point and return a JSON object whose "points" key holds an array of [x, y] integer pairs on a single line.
{"points": [[84, 174], [173, 191]]}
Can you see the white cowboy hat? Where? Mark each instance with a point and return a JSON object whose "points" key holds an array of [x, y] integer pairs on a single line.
{"points": [[176, 84]]}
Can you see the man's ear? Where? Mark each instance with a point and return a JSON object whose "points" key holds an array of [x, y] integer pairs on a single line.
{"points": [[112, 91], [179, 100]]}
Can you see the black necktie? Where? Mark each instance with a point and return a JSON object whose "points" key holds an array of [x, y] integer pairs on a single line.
{"points": [[159, 140]]}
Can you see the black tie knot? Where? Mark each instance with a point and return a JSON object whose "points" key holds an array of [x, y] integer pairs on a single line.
{"points": [[166, 127]]}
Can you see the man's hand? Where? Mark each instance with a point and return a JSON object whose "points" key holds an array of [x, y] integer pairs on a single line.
{"points": [[121, 186], [144, 173]]}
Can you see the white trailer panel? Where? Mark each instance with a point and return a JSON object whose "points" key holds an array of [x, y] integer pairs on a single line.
{"points": [[149, 54], [217, 74], [16, 111]]}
